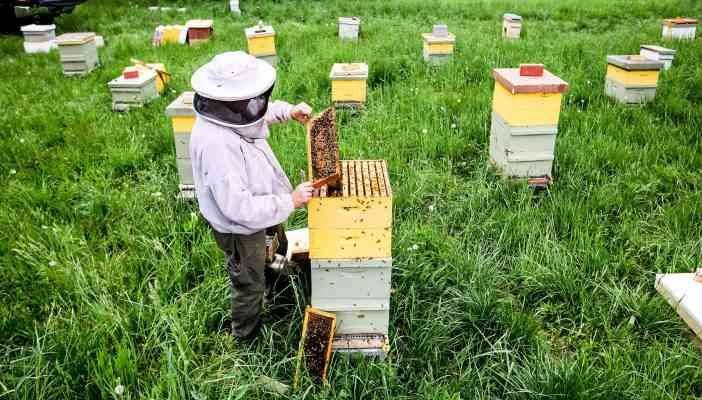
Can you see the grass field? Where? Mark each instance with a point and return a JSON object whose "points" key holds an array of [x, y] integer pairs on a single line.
{"points": [[107, 279]]}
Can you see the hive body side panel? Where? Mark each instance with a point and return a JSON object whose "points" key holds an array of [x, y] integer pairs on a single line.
{"points": [[633, 78], [350, 212], [185, 171], [350, 243], [262, 46], [362, 321], [438, 48], [526, 109], [349, 90], [182, 124]]}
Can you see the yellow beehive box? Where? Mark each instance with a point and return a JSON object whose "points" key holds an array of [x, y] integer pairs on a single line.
{"points": [[182, 116], [261, 40], [355, 220], [633, 70], [162, 75], [438, 45], [348, 83], [528, 96]]}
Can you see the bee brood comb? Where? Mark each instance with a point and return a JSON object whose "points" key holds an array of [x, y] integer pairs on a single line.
{"points": [[315, 348], [323, 150]]}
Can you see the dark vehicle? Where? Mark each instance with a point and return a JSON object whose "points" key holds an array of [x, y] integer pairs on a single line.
{"points": [[15, 13]]}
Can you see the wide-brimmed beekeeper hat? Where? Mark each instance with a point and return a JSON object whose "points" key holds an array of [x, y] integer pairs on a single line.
{"points": [[233, 88]]}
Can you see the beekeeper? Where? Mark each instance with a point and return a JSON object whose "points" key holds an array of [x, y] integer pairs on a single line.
{"points": [[241, 188]]}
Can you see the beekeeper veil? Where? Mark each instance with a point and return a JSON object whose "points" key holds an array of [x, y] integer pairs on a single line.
{"points": [[233, 89]]}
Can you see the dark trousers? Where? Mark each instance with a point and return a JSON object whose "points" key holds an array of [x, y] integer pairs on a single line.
{"points": [[246, 263]]}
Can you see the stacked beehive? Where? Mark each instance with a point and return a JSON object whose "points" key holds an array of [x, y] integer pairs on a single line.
{"points": [[349, 28], [684, 293], [133, 88], [198, 31], [350, 251], [39, 38], [679, 28], [438, 45], [78, 52], [182, 116], [348, 84], [526, 107], [511, 26], [261, 42], [658, 53], [632, 79]]}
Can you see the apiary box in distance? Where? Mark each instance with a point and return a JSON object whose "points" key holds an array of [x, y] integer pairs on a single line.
{"points": [[182, 116], [438, 45], [349, 28], [127, 93], [632, 79], [261, 42], [348, 84], [78, 52]]}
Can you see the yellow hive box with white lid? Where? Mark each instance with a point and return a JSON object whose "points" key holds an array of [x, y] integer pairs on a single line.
{"points": [[169, 34], [438, 45], [133, 88], [349, 28], [511, 26], [658, 53], [526, 106], [684, 293], [182, 116], [261, 42], [348, 84], [39, 38], [350, 238], [680, 28], [78, 52], [632, 79]]}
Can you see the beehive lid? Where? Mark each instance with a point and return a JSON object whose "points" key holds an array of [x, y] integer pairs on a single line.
{"points": [[350, 20], [259, 30], [658, 49], [365, 178], [199, 24], [182, 106], [684, 293], [349, 71], [516, 82], [634, 62], [512, 17], [144, 77], [34, 28], [75, 38], [439, 34], [680, 21]]}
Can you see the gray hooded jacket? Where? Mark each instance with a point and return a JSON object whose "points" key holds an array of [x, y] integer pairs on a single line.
{"points": [[241, 187]]}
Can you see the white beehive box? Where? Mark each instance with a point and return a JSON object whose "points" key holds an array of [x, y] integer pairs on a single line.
{"points": [[127, 93], [632, 79], [39, 38], [525, 111], [182, 116], [511, 26], [684, 293], [349, 28], [658, 53], [679, 28], [78, 52], [438, 45]]}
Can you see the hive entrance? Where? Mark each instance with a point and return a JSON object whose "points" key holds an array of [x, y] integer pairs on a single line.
{"points": [[323, 150]]}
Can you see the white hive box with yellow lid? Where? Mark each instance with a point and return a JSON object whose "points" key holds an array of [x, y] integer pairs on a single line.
{"points": [[511, 26], [684, 293], [680, 28], [348, 84], [438, 45], [128, 92], [658, 53], [78, 52], [39, 38], [182, 116], [261, 42], [632, 79], [526, 107], [349, 28]]}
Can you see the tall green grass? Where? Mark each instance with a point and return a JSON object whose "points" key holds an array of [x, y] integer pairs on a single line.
{"points": [[106, 279]]}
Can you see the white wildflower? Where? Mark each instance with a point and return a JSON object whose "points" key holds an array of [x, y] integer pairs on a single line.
{"points": [[424, 131], [22, 140], [431, 208], [52, 263], [13, 171], [119, 389], [453, 126], [414, 247]]}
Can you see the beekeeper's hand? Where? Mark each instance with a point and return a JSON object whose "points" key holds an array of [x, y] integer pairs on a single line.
{"points": [[301, 112], [302, 194]]}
